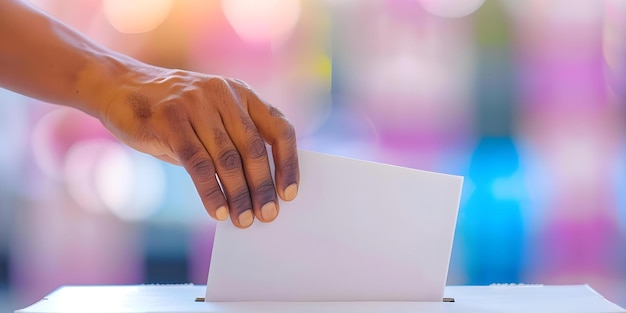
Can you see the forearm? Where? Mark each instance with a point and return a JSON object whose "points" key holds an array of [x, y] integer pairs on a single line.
{"points": [[43, 58]]}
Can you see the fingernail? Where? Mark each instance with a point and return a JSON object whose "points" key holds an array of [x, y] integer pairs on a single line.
{"points": [[221, 213], [268, 211], [291, 191], [246, 218]]}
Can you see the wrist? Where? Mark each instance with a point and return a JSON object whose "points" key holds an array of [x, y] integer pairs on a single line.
{"points": [[103, 74]]}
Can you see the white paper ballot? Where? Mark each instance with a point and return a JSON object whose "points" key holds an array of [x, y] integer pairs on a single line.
{"points": [[358, 231]]}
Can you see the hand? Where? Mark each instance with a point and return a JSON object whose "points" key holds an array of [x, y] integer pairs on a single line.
{"points": [[214, 127]]}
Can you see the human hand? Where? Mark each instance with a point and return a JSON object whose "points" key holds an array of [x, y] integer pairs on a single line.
{"points": [[212, 126]]}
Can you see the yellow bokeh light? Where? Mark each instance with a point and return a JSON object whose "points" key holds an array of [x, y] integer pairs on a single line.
{"points": [[136, 16], [262, 21], [451, 8]]}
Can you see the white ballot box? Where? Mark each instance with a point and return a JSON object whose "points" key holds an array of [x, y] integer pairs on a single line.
{"points": [[189, 299]]}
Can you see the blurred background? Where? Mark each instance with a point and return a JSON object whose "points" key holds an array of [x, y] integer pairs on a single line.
{"points": [[525, 99]]}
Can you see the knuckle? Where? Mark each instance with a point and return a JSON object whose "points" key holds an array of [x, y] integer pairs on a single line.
{"points": [[189, 95], [248, 124], [216, 81], [220, 93], [266, 187], [241, 199], [255, 148], [264, 192], [188, 152], [217, 86], [289, 168], [203, 166], [241, 88], [276, 112], [212, 194], [220, 137], [288, 133], [240, 82], [230, 159], [197, 162]]}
